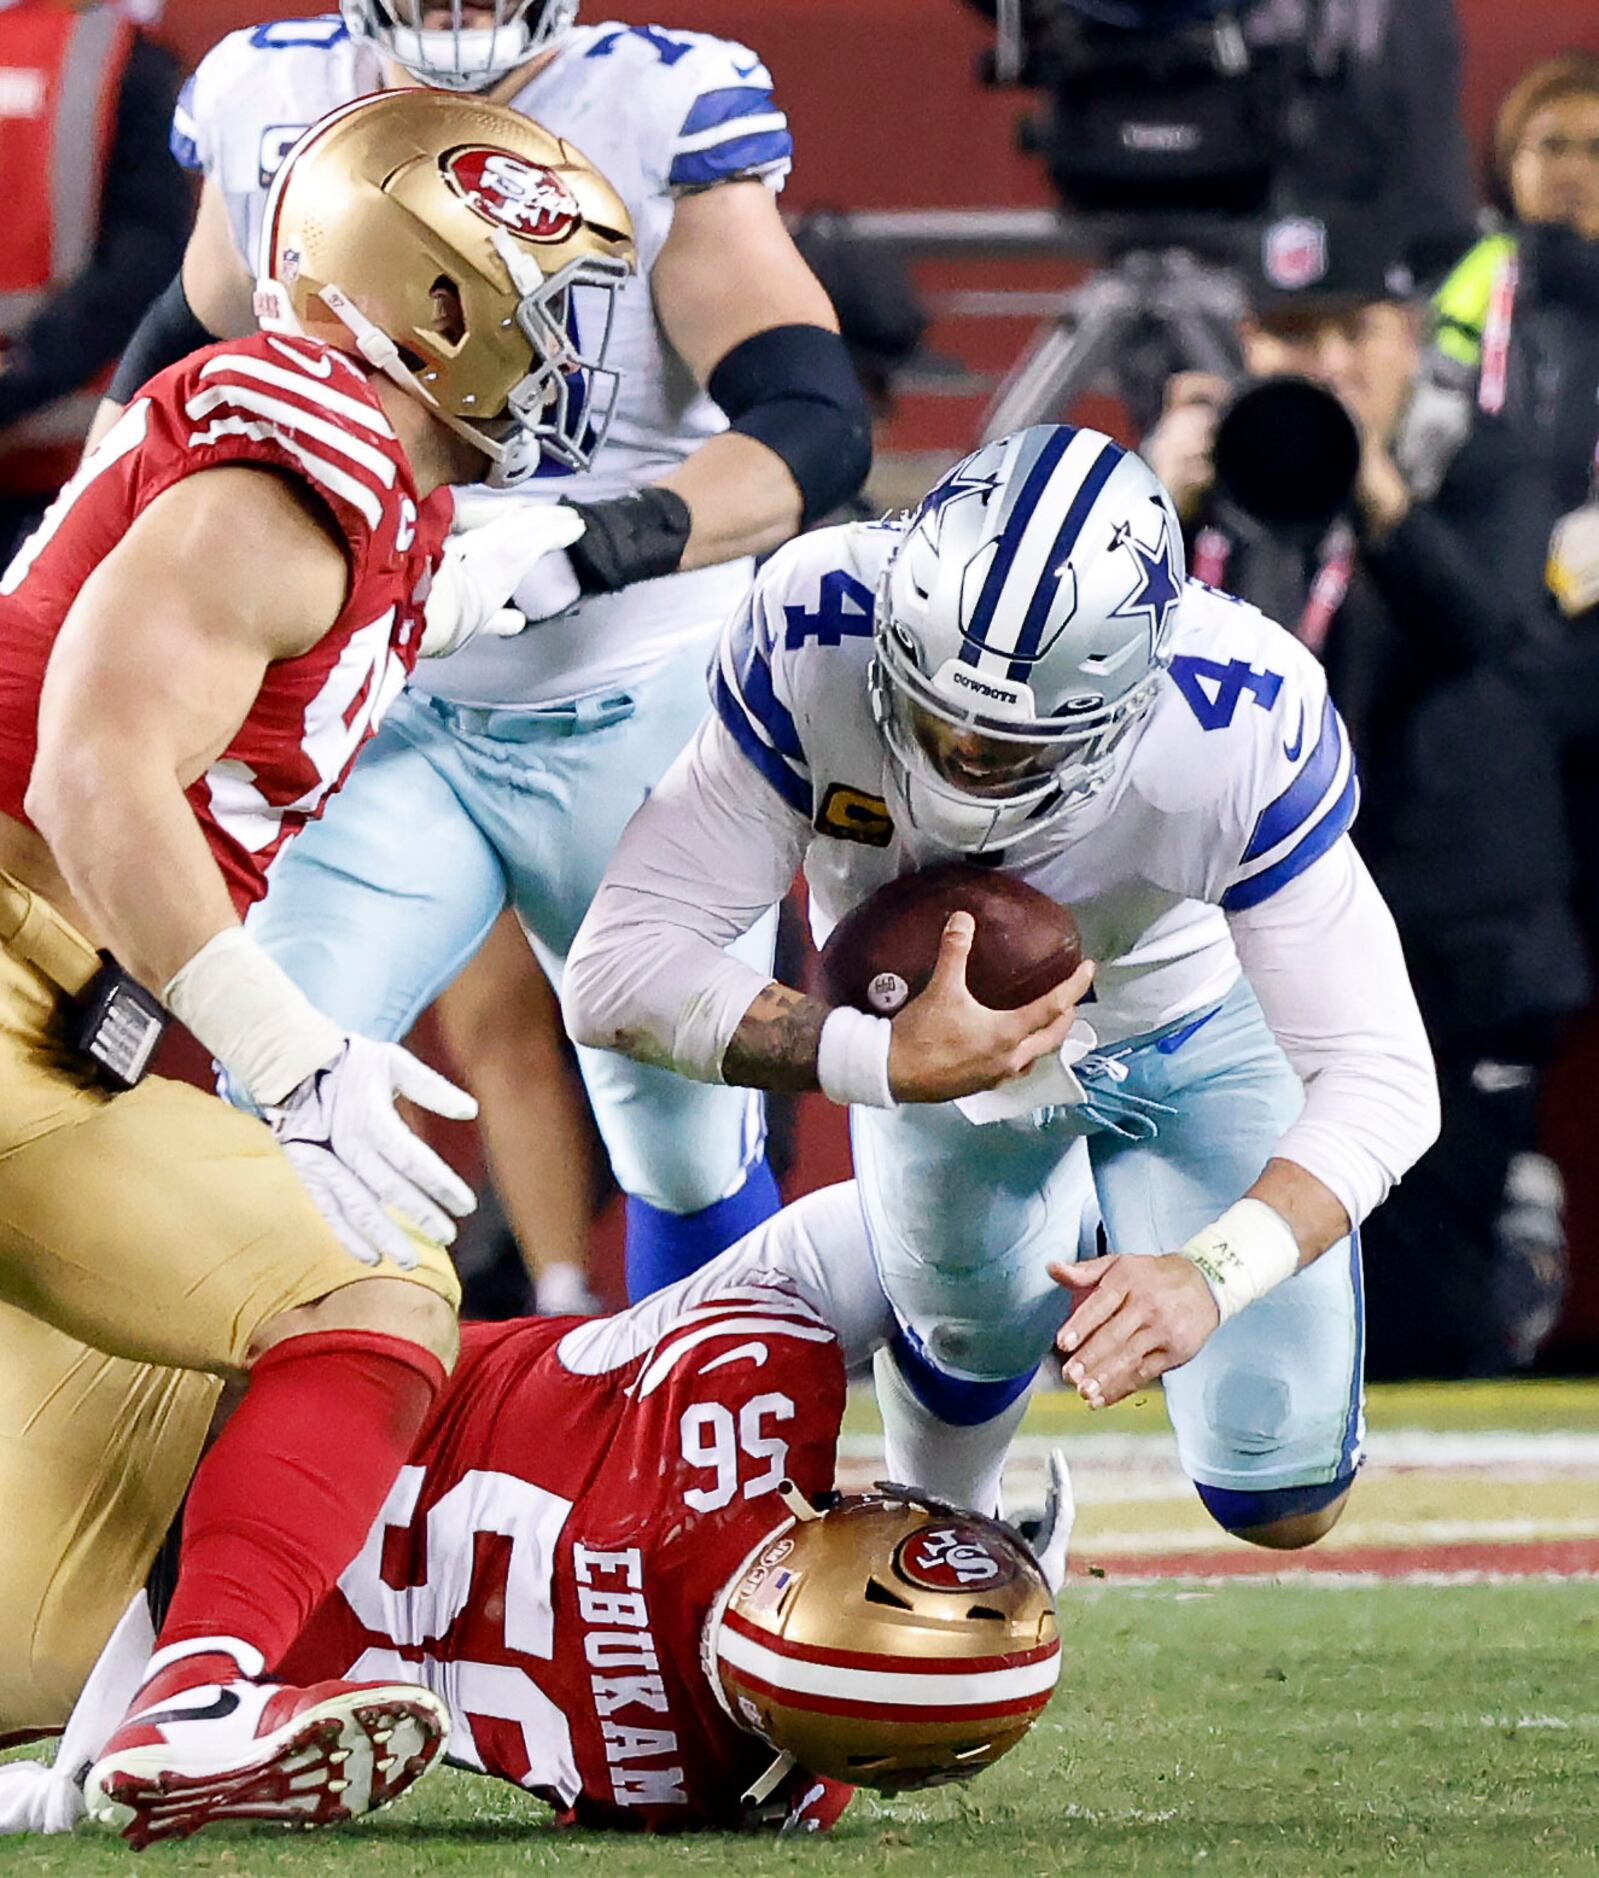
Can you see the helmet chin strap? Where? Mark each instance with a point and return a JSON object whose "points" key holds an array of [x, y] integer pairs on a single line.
{"points": [[376, 347]]}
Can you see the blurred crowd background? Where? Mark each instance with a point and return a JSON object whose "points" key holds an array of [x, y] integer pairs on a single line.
{"points": [[1334, 266]]}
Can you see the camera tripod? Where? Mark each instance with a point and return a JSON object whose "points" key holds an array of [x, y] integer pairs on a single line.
{"points": [[1150, 311]]}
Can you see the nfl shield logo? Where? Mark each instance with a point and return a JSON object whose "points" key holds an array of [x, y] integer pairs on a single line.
{"points": [[1294, 252]]}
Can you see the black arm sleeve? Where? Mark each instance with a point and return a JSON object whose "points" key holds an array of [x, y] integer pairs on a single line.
{"points": [[168, 332], [794, 389], [146, 208]]}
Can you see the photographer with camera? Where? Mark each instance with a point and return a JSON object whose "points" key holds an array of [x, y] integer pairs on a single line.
{"points": [[1322, 491]]}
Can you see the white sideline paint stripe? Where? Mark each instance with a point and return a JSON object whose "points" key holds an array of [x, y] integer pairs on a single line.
{"points": [[1487, 1451], [1200, 1584], [1350, 1533]]}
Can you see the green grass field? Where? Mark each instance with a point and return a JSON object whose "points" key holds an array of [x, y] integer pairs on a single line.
{"points": [[1295, 1724]]}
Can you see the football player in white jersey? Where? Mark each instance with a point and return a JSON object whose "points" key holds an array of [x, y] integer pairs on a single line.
{"points": [[1018, 672], [736, 417]]}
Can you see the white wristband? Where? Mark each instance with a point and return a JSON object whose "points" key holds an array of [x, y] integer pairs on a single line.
{"points": [[852, 1059], [251, 1015], [1244, 1254]]}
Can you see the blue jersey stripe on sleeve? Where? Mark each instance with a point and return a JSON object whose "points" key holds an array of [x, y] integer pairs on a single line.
{"points": [[1248, 893], [794, 790], [181, 135], [736, 157], [1303, 796], [764, 705], [712, 108]]}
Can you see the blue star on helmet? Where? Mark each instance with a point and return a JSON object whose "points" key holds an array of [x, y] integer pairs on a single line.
{"points": [[1158, 589], [955, 484]]}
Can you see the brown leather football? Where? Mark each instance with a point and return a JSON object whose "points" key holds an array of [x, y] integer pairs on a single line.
{"points": [[880, 955]]}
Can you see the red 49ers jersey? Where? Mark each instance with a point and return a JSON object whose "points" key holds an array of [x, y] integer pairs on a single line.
{"points": [[308, 411], [547, 1560]]}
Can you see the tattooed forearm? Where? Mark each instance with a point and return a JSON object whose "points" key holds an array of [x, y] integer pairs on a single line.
{"points": [[775, 1045]]}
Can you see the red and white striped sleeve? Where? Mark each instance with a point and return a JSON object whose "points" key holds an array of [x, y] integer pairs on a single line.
{"points": [[290, 405]]}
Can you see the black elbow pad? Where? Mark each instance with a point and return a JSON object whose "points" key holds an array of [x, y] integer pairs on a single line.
{"points": [[168, 332], [794, 389]]}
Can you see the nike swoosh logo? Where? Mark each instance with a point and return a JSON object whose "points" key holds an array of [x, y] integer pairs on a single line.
{"points": [[756, 1352], [1291, 751], [748, 71], [219, 1710], [318, 368]]}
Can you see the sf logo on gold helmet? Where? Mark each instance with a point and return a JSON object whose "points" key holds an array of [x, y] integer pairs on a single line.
{"points": [[891, 1641], [526, 198], [467, 253]]}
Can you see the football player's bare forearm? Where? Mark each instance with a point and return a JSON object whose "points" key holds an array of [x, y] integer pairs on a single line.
{"points": [[742, 497], [776, 1045], [134, 857], [1314, 1213]]}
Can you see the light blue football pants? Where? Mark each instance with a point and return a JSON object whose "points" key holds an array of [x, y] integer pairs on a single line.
{"points": [[964, 1221], [449, 813]]}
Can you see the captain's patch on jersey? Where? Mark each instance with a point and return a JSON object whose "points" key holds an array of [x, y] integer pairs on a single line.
{"points": [[526, 198], [853, 815]]}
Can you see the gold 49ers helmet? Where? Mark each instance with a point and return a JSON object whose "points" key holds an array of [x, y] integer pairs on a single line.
{"points": [[891, 1642], [466, 252]]}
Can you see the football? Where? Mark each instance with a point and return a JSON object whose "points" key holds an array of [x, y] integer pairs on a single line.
{"points": [[880, 955]]}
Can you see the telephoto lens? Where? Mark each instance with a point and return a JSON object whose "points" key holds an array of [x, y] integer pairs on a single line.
{"points": [[1287, 452]]}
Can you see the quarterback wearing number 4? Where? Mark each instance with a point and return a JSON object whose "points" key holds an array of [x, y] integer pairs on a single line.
{"points": [[1018, 672]]}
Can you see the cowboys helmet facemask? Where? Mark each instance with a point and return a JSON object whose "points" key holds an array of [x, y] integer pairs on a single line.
{"points": [[1020, 631], [464, 55]]}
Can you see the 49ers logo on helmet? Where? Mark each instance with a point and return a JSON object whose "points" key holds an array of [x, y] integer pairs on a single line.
{"points": [[526, 198], [952, 1557]]}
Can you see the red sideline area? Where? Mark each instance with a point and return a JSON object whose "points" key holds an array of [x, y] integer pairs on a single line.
{"points": [[1522, 1558]]}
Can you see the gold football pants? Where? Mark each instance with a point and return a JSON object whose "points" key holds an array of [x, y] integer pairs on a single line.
{"points": [[157, 1227], [158, 1224], [95, 1456]]}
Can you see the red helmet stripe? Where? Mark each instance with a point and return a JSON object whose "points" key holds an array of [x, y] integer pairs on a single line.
{"points": [[916, 1683], [875, 1659], [821, 1704]]}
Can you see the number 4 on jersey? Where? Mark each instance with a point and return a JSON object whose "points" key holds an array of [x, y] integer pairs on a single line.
{"points": [[843, 611], [1213, 689]]}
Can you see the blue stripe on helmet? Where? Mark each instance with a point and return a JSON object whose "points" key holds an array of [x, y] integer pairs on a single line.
{"points": [[753, 151], [1300, 800], [1010, 542], [1045, 593], [794, 790], [1248, 893]]}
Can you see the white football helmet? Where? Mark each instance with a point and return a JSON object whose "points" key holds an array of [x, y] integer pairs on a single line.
{"points": [[1021, 628], [462, 55]]}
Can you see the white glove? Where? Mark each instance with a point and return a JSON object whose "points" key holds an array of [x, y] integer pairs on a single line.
{"points": [[501, 548], [359, 1160], [1052, 1539], [562, 1291]]}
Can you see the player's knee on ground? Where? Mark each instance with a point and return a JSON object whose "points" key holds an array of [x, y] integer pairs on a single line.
{"points": [[1283, 1519], [391, 1307]]}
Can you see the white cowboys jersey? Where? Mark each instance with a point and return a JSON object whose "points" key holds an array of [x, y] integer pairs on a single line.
{"points": [[660, 113], [1238, 779]]}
